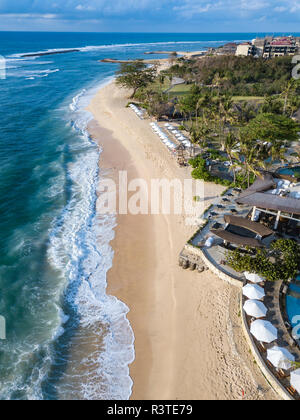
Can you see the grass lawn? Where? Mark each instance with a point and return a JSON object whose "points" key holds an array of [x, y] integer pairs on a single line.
{"points": [[258, 99], [180, 90]]}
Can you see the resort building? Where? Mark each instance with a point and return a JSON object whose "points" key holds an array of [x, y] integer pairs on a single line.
{"points": [[270, 47], [278, 199], [259, 44], [245, 49], [280, 47]]}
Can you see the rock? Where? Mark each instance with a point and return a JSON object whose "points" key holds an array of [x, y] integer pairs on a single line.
{"points": [[185, 265], [192, 267]]}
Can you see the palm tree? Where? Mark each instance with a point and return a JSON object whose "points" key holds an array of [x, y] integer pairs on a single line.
{"points": [[253, 157], [246, 112], [230, 144], [218, 81], [225, 118], [199, 132], [288, 93]]}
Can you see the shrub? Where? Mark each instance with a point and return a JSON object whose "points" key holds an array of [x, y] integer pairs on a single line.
{"points": [[200, 172], [281, 262]]}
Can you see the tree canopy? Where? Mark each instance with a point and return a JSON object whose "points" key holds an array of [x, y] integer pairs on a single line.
{"points": [[272, 128], [135, 75]]}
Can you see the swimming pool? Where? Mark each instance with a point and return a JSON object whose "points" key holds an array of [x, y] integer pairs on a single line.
{"points": [[295, 171], [293, 303]]}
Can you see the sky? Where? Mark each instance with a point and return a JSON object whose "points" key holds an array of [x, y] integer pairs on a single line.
{"points": [[151, 15]]}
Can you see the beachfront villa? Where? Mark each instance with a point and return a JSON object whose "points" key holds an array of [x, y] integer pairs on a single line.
{"points": [[249, 221], [246, 49], [269, 47]]}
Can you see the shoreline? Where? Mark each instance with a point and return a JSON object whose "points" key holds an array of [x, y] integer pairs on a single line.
{"points": [[189, 343]]}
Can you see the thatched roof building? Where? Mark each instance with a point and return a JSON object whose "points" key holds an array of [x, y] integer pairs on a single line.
{"points": [[237, 239], [257, 228]]}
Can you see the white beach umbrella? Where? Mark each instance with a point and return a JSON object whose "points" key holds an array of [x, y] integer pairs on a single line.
{"points": [[295, 380], [264, 331], [255, 308], [253, 291], [254, 278], [209, 242], [280, 357]]}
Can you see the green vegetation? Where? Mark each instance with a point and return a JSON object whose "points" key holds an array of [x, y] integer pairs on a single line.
{"points": [[258, 99], [238, 76], [135, 75], [200, 171], [281, 262], [179, 90], [235, 109]]}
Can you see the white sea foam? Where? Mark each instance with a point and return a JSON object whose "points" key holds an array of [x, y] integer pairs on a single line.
{"points": [[34, 74], [88, 48], [75, 100], [80, 249]]}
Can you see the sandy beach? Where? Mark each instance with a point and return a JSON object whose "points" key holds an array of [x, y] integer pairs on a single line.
{"points": [[189, 342]]}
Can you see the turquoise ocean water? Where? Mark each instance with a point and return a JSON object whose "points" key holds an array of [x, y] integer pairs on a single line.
{"points": [[66, 339]]}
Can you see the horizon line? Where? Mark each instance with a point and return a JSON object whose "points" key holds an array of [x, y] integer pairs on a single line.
{"points": [[148, 32]]}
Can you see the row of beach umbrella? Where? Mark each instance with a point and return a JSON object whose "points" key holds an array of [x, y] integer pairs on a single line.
{"points": [[179, 136], [264, 331], [137, 110], [164, 138]]}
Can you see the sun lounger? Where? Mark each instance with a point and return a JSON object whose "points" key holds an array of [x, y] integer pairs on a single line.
{"points": [[292, 391]]}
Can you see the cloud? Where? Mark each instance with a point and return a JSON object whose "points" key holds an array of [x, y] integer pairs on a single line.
{"points": [[189, 8], [237, 15]]}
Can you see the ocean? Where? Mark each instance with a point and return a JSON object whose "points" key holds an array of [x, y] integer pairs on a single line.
{"points": [[66, 338]]}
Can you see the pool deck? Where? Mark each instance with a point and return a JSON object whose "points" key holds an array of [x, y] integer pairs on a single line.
{"points": [[279, 379]]}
